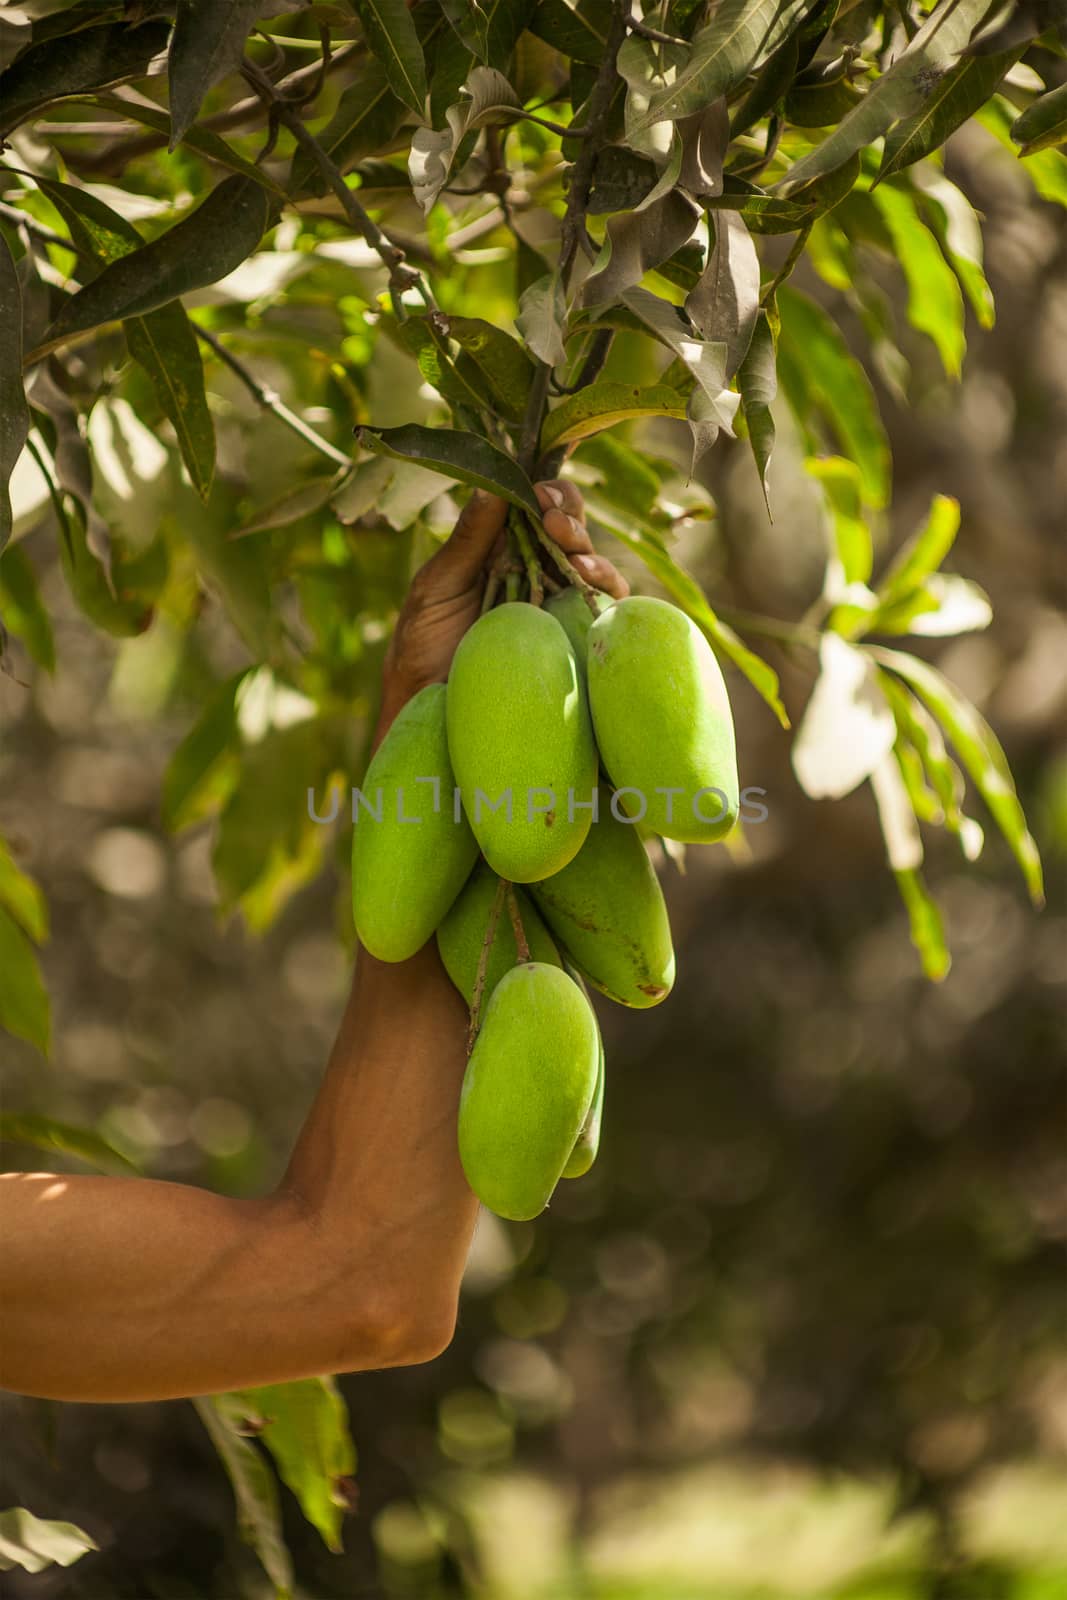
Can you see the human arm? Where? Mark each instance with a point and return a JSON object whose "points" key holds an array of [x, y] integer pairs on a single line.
{"points": [[130, 1289]]}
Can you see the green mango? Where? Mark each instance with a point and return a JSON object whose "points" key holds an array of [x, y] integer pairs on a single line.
{"points": [[462, 933], [407, 872], [607, 910], [662, 719], [528, 1086], [521, 739], [587, 1144], [574, 616]]}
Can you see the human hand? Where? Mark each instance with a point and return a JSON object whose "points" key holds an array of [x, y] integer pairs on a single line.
{"points": [[445, 597]]}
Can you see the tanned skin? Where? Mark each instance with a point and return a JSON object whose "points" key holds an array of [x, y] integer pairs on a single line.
{"points": [[130, 1289]]}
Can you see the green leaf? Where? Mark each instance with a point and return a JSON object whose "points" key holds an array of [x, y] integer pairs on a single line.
{"points": [[725, 302], [464, 457], [604, 404], [903, 89], [367, 118], [819, 374], [255, 1491], [45, 1133], [541, 316], [957, 95], [578, 29], [470, 25], [24, 1008], [896, 814], [922, 733], [126, 610], [492, 356], [683, 587], [935, 303], [163, 343], [955, 222], [636, 242], [1046, 169], [14, 412], [304, 1425], [22, 897], [190, 782], [923, 552], [757, 382], [980, 752], [22, 611], [265, 823], [199, 250], [202, 140], [740, 34], [842, 489], [1044, 123], [77, 63], [33, 1544], [705, 359], [390, 32], [927, 928], [847, 727], [207, 44]]}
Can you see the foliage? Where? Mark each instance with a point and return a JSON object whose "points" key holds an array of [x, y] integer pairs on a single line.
{"points": [[487, 239]]}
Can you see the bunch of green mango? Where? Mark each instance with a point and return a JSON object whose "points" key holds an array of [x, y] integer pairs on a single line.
{"points": [[567, 733]]}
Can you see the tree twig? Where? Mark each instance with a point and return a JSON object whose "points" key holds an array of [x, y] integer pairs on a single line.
{"points": [[268, 400], [483, 961], [643, 31]]}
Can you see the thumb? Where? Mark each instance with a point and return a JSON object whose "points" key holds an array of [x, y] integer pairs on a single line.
{"points": [[473, 537]]}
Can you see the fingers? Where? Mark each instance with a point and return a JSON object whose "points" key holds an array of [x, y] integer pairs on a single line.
{"points": [[599, 571], [560, 495], [473, 538]]}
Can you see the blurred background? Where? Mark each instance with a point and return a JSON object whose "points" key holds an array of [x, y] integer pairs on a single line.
{"points": [[801, 1330]]}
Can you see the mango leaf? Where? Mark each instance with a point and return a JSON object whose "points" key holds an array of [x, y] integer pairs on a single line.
{"points": [[956, 95], [492, 356], [955, 222], [44, 1133], [486, 97], [922, 733], [294, 504], [704, 139], [463, 457], [705, 359], [163, 343], [819, 374], [470, 25], [636, 242], [22, 611], [626, 475], [946, 605], [207, 44], [1046, 169], [896, 815], [265, 829], [76, 63], [980, 752], [847, 727], [769, 89], [541, 316], [903, 89], [14, 412], [255, 1491], [505, 20], [390, 33], [423, 337], [304, 1425], [199, 250], [24, 1008], [935, 302], [205, 142], [851, 553], [741, 33], [927, 928], [684, 588], [725, 302], [1044, 123], [367, 118], [191, 786], [578, 29], [757, 382], [923, 552], [33, 1544], [22, 897], [604, 404]]}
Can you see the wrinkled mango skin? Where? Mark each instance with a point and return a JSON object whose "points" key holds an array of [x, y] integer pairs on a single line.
{"points": [[406, 874], [607, 911], [587, 1144], [575, 618], [519, 726], [663, 719], [528, 1086], [461, 934]]}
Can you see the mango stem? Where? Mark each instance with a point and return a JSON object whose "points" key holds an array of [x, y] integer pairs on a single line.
{"points": [[483, 961], [516, 923]]}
